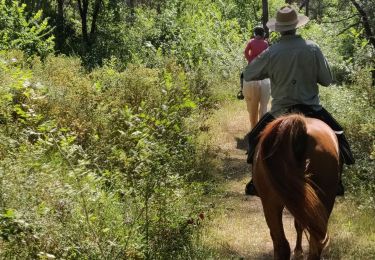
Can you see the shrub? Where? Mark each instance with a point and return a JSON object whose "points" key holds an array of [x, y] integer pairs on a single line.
{"points": [[32, 35], [92, 171], [358, 121]]}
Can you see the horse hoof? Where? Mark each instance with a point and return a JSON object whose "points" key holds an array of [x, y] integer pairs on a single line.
{"points": [[297, 255]]}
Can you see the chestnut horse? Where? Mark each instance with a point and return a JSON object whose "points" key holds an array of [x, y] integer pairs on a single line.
{"points": [[257, 95], [297, 166]]}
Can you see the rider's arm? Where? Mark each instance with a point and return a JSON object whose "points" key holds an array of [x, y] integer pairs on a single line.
{"points": [[324, 72], [246, 52], [257, 69]]}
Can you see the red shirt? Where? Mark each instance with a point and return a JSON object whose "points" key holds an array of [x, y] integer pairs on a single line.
{"points": [[255, 47]]}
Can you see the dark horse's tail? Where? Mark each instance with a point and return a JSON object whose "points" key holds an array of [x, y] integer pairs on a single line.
{"points": [[283, 148]]}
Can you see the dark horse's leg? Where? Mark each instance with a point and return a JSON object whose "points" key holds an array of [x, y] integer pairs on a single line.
{"points": [[298, 252]]}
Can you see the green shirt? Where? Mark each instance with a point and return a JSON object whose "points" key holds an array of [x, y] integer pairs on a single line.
{"points": [[295, 67]]}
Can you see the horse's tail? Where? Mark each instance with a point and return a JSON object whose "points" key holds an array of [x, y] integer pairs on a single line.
{"points": [[283, 150]]}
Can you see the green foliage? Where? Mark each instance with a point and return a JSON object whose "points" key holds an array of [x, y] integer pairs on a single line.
{"points": [[204, 43], [32, 35], [89, 171], [347, 43], [358, 120]]}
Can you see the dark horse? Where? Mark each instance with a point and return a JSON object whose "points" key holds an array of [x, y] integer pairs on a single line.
{"points": [[297, 166]]}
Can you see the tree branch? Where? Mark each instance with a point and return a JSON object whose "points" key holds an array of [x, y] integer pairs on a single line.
{"points": [[341, 20], [365, 22], [347, 28]]}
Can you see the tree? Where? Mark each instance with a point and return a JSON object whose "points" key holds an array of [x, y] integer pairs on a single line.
{"points": [[305, 3], [83, 7], [60, 27], [265, 16]]}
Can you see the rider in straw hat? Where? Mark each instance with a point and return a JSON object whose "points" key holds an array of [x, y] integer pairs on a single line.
{"points": [[295, 67]]}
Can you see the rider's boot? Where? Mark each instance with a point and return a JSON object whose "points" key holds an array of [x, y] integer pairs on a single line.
{"points": [[253, 138], [345, 151], [347, 158], [340, 189]]}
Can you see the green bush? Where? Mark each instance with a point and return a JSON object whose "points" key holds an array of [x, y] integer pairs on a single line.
{"points": [[17, 31], [96, 165], [358, 120]]}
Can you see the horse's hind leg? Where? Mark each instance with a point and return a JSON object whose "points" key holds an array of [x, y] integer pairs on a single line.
{"points": [[273, 214], [298, 252]]}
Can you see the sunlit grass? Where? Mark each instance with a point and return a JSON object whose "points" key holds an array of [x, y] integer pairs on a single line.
{"points": [[352, 231]]}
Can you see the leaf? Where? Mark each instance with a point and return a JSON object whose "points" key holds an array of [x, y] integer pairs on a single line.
{"points": [[188, 104], [9, 213]]}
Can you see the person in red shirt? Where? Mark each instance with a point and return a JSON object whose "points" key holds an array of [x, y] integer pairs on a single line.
{"points": [[253, 48], [256, 93], [256, 45]]}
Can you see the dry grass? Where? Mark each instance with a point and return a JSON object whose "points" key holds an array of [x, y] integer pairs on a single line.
{"points": [[352, 231], [237, 229]]}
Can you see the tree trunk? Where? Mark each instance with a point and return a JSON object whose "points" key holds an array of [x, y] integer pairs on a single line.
{"points": [[265, 16], [131, 5], [60, 28], [95, 15], [305, 3], [83, 8], [307, 8]]}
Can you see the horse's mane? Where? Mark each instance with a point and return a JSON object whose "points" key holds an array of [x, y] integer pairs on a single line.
{"points": [[283, 150]]}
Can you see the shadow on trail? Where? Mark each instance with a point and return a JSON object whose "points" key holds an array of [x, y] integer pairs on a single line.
{"points": [[235, 169], [242, 143]]}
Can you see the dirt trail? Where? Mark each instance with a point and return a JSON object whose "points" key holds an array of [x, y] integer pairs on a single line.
{"points": [[239, 231]]}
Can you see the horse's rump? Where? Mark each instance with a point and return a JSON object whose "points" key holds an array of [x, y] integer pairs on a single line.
{"points": [[297, 165]]}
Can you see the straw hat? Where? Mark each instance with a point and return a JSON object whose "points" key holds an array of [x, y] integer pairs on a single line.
{"points": [[286, 19]]}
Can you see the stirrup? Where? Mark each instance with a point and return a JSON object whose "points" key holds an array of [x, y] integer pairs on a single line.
{"points": [[250, 189]]}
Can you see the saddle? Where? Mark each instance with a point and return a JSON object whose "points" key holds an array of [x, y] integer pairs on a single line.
{"points": [[345, 151], [321, 115]]}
